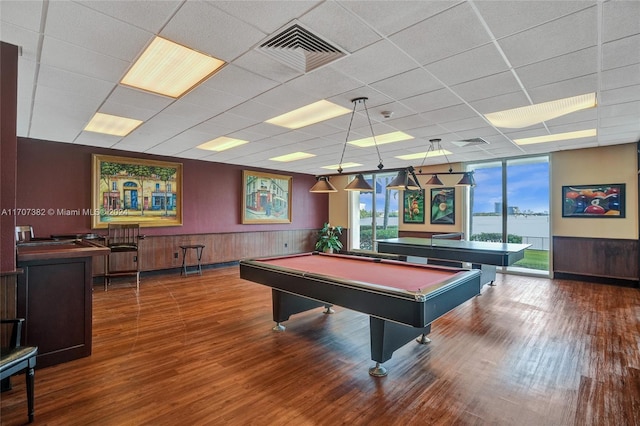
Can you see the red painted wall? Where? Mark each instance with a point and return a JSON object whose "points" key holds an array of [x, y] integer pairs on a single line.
{"points": [[56, 176]]}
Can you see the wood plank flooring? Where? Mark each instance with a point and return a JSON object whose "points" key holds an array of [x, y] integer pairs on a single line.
{"points": [[200, 351]]}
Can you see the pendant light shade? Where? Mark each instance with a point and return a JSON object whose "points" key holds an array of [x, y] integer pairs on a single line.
{"points": [[403, 181], [467, 179], [358, 184], [435, 181], [323, 186]]}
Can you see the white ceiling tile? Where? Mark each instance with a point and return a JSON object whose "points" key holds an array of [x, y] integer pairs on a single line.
{"points": [[620, 96], [510, 17], [564, 89], [97, 139], [432, 101], [77, 84], [501, 102], [324, 83], [239, 82], [25, 14], [486, 87], [565, 67], [559, 37], [476, 63], [137, 13], [620, 77], [266, 16], [82, 61], [620, 19], [51, 122], [27, 40], [255, 112], [359, 63], [259, 62], [408, 84], [390, 17], [452, 113], [77, 24], [182, 115], [213, 101], [621, 52], [287, 98], [476, 122], [136, 103], [209, 30], [620, 110], [448, 33]]}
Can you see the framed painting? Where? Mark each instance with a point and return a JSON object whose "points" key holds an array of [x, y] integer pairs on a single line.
{"points": [[594, 201], [413, 206], [443, 206], [132, 190], [266, 198]]}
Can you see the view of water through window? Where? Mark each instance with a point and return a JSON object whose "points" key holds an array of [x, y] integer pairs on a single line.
{"points": [[524, 184]]}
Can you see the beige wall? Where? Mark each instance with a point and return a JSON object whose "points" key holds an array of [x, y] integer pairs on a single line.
{"points": [[611, 164], [460, 201], [339, 202]]}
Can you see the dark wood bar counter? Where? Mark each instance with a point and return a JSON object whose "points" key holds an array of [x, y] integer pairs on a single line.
{"points": [[54, 295]]}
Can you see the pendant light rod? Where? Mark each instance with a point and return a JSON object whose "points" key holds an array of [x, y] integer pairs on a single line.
{"points": [[373, 135]]}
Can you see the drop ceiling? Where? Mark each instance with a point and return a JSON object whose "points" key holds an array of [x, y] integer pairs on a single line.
{"points": [[431, 69]]}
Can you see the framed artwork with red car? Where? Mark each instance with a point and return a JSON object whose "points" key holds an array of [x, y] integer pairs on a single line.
{"points": [[594, 201]]}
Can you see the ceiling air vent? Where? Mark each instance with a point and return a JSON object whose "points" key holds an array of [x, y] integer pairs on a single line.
{"points": [[300, 49], [470, 142]]}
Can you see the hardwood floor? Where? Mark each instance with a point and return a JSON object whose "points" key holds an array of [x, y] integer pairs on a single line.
{"points": [[200, 351]]}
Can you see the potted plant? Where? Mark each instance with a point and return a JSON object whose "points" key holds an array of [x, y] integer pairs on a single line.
{"points": [[329, 238]]}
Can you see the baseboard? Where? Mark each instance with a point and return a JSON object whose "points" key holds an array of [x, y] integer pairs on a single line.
{"points": [[599, 280]]}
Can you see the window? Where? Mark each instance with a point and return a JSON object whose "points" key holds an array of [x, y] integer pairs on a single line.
{"points": [[510, 203], [374, 215]]}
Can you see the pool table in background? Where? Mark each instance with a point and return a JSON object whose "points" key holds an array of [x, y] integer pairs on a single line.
{"points": [[483, 255], [402, 299]]}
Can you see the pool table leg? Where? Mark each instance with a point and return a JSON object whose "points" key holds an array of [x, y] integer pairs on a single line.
{"points": [[488, 274], [286, 304], [386, 337]]}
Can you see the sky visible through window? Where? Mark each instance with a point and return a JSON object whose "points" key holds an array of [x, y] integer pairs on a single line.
{"points": [[527, 189]]}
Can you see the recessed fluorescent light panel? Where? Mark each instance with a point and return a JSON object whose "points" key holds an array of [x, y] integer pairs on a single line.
{"points": [[170, 69], [310, 114], [527, 116], [293, 157], [344, 166], [112, 124], [557, 137], [381, 139], [420, 155], [222, 143]]}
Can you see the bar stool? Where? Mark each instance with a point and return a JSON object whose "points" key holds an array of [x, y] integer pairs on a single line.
{"points": [[198, 248]]}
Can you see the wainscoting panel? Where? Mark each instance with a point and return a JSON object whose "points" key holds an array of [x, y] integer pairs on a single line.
{"points": [[596, 257], [163, 252]]}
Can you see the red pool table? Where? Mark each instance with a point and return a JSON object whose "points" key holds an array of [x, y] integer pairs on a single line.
{"points": [[401, 299]]}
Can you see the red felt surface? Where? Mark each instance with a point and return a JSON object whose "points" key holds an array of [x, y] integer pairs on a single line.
{"points": [[397, 275]]}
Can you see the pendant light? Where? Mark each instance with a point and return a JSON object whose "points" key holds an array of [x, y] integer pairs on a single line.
{"points": [[323, 186], [403, 181]]}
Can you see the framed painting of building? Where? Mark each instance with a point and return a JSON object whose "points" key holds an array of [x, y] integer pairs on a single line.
{"points": [[133, 190], [443, 206], [266, 198]]}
